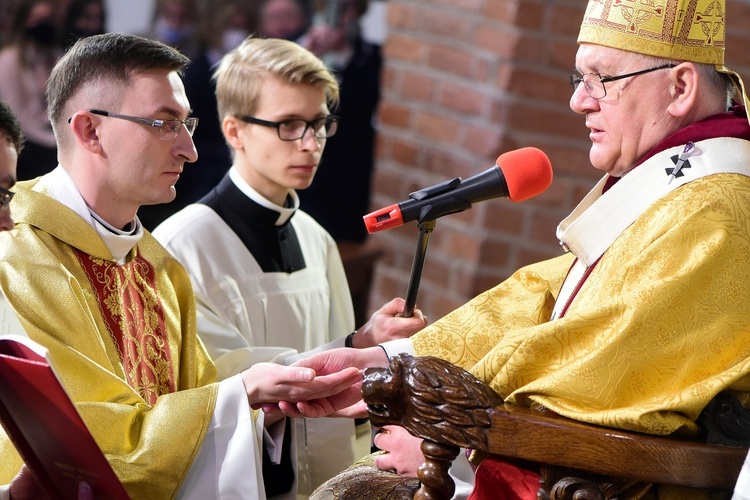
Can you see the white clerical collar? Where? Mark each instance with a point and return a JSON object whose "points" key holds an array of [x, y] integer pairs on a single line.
{"points": [[284, 212], [599, 219], [59, 185]]}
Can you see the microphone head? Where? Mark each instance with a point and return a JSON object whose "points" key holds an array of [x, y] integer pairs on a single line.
{"points": [[527, 171]]}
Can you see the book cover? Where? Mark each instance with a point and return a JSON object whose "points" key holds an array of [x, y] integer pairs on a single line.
{"points": [[44, 425]]}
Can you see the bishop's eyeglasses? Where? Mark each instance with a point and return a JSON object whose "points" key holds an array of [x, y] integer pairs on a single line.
{"points": [[296, 128], [168, 129], [594, 82]]}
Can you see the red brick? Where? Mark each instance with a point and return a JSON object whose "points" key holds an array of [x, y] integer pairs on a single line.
{"points": [[405, 152], [573, 162], [503, 11], [463, 62], [563, 56], [388, 78], [544, 226], [443, 305], [487, 280], [402, 16], [541, 84], [393, 114], [534, 119], [461, 245], [530, 14], [435, 271], [495, 253], [566, 19], [466, 5], [447, 164], [483, 140], [462, 98], [417, 86], [405, 48], [436, 127], [503, 217], [531, 48], [501, 42], [442, 22], [384, 181]]}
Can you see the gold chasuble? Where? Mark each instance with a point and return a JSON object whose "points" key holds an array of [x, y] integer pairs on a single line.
{"points": [[122, 338], [659, 327]]}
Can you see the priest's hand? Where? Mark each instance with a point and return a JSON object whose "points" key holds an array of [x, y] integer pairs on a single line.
{"points": [[402, 451], [388, 324], [336, 360], [269, 383], [25, 487], [347, 403]]}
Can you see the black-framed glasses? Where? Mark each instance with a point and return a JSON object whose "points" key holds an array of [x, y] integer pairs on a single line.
{"points": [[296, 128], [168, 129], [594, 82], [5, 196]]}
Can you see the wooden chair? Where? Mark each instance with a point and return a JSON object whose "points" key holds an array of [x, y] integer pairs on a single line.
{"points": [[449, 409]]}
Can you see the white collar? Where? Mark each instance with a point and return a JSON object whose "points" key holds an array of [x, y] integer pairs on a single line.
{"points": [[59, 185], [284, 212], [599, 219]]}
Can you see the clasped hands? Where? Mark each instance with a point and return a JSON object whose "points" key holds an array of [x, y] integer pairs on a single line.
{"points": [[329, 383]]}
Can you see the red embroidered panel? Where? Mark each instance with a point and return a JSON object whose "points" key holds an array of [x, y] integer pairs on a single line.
{"points": [[134, 317]]}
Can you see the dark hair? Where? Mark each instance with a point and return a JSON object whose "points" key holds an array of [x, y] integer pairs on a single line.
{"points": [[10, 127], [111, 56]]}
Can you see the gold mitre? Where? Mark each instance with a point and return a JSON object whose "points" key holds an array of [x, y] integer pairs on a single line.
{"points": [[683, 30]]}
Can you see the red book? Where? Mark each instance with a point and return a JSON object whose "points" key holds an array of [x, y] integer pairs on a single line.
{"points": [[45, 427]]}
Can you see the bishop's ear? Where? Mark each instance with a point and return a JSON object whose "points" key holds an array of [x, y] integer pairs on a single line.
{"points": [[684, 87]]}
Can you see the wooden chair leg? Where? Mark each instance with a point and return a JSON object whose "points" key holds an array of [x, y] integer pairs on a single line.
{"points": [[436, 482]]}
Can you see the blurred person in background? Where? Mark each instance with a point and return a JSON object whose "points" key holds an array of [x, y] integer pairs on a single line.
{"points": [[25, 62], [83, 18], [287, 19], [223, 28], [346, 167], [174, 24]]}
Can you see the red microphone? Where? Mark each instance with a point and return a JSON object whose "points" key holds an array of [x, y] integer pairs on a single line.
{"points": [[518, 175]]}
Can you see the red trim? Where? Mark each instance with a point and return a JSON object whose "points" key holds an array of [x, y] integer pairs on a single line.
{"points": [[134, 316]]}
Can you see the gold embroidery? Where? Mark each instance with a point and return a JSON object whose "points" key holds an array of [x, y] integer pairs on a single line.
{"points": [[134, 317]]}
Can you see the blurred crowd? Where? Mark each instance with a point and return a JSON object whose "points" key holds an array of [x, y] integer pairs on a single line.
{"points": [[34, 33]]}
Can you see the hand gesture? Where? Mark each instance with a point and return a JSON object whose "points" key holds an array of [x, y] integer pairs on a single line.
{"points": [[270, 383], [403, 452], [336, 360], [388, 324]]}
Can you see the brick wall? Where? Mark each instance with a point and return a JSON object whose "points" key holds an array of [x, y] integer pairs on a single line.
{"points": [[464, 81]]}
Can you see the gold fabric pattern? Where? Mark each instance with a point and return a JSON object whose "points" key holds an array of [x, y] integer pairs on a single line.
{"points": [[658, 329], [42, 278], [135, 321], [685, 30]]}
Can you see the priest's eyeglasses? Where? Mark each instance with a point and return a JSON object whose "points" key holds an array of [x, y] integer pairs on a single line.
{"points": [[168, 129], [295, 129], [5, 196], [594, 82]]}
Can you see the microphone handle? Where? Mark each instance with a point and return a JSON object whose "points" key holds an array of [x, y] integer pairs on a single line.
{"points": [[425, 229]]}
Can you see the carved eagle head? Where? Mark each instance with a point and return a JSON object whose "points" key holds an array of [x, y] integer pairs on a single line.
{"points": [[429, 397]]}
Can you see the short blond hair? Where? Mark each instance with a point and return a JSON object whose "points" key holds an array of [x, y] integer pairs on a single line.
{"points": [[241, 72]]}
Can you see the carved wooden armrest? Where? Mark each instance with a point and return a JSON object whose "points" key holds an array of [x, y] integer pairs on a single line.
{"points": [[449, 409]]}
